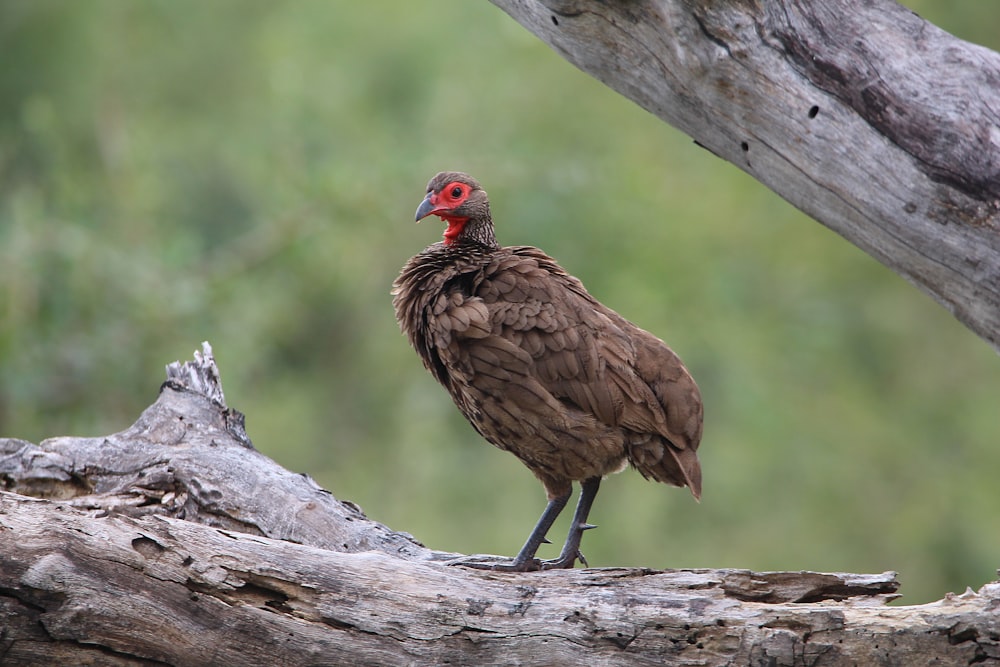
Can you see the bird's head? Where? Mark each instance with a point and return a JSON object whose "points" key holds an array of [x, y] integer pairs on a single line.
{"points": [[459, 200]]}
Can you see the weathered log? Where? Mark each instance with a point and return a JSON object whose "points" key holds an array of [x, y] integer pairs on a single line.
{"points": [[175, 542], [118, 590], [187, 456], [861, 114]]}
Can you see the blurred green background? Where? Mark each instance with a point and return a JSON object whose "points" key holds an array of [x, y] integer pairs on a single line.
{"points": [[246, 172]]}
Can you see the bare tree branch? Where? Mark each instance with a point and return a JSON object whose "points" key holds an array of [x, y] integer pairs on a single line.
{"points": [[876, 123]]}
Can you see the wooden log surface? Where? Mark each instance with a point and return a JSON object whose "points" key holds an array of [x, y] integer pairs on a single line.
{"points": [[120, 590], [871, 120], [174, 542]]}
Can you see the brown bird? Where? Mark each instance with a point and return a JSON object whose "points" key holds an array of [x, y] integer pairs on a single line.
{"points": [[540, 368]]}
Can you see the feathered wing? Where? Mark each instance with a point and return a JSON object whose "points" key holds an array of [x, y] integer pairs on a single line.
{"points": [[555, 370], [682, 416]]}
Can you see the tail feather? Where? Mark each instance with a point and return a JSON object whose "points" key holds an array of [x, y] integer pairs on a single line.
{"points": [[687, 461], [658, 459]]}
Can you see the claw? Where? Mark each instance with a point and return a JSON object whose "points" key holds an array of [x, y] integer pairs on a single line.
{"points": [[532, 565], [525, 560], [496, 564], [472, 564]]}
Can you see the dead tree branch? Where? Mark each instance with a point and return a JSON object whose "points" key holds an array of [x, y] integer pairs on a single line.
{"points": [[874, 122]]}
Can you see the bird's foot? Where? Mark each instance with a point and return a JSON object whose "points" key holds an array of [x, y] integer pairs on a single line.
{"points": [[498, 564], [571, 550], [564, 562], [501, 564]]}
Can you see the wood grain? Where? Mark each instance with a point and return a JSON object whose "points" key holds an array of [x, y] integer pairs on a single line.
{"points": [[118, 590]]}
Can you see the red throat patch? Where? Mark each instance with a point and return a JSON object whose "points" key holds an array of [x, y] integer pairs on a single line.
{"points": [[455, 227]]}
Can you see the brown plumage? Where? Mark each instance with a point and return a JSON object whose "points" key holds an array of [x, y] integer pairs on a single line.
{"points": [[542, 369]]}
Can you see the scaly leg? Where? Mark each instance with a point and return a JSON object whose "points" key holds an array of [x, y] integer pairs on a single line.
{"points": [[571, 549], [525, 560]]}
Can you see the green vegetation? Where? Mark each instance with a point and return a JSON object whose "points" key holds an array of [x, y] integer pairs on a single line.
{"points": [[246, 172]]}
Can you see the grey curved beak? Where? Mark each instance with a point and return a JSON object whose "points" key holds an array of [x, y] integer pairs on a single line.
{"points": [[425, 207]]}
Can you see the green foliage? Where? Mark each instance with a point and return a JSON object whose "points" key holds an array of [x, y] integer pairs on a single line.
{"points": [[246, 172]]}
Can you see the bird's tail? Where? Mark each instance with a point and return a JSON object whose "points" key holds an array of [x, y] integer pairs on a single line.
{"points": [[657, 458]]}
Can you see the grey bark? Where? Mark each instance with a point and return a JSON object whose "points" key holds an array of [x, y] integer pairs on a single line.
{"points": [[871, 120], [175, 542]]}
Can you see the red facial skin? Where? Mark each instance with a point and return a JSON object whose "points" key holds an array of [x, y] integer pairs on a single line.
{"points": [[442, 204]]}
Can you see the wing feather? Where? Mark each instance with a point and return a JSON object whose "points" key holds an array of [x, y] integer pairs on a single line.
{"points": [[544, 370]]}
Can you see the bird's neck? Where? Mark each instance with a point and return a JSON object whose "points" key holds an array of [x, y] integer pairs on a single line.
{"points": [[475, 231]]}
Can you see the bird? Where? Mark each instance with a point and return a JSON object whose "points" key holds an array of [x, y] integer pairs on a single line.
{"points": [[541, 369]]}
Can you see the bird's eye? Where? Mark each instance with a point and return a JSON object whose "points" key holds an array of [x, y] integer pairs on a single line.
{"points": [[456, 192]]}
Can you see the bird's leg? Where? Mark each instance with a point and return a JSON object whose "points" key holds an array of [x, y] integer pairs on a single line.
{"points": [[571, 549], [525, 560]]}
